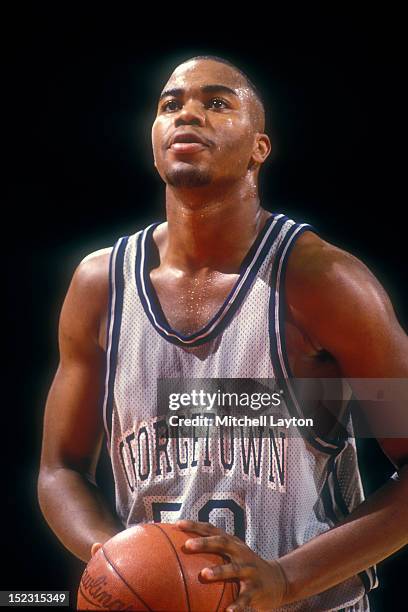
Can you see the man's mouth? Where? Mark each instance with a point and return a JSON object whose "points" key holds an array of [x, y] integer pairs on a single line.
{"points": [[187, 147], [188, 142]]}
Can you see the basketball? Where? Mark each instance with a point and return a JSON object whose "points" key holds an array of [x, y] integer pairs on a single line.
{"points": [[145, 568]]}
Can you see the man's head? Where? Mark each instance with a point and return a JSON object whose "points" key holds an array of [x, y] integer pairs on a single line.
{"points": [[209, 126]]}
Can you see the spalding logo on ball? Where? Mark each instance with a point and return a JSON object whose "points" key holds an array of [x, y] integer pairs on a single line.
{"points": [[144, 568]]}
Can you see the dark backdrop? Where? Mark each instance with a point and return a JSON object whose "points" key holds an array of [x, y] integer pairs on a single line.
{"points": [[81, 93]]}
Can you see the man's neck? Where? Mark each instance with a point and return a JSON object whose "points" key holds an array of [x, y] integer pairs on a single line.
{"points": [[210, 230]]}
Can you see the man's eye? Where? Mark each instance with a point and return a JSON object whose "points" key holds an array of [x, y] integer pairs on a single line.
{"points": [[217, 103], [170, 106]]}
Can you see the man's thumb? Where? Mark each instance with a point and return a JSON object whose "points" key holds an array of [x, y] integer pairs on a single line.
{"points": [[95, 547]]}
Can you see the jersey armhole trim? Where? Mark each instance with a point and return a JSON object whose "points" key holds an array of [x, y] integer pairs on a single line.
{"points": [[116, 288], [280, 362]]}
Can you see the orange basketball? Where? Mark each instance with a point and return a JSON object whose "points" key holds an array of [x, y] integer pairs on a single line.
{"points": [[145, 568]]}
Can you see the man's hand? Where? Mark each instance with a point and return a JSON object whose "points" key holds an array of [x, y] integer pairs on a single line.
{"points": [[262, 583]]}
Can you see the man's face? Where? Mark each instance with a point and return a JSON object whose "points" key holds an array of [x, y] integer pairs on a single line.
{"points": [[204, 131]]}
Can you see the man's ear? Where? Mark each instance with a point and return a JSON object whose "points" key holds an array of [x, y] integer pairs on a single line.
{"points": [[261, 150]]}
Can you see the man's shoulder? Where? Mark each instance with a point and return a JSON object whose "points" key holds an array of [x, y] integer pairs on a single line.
{"points": [[94, 267], [324, 277], [315, 262], [90, 281], [96, 258]]}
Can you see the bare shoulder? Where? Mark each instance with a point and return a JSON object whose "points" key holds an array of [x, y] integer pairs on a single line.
{"points": [[320, 271], [334, 297], [92, 273], [99, 257], [96, 263], [87, 298], [313, 257]]}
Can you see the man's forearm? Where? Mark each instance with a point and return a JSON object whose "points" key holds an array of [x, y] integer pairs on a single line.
{"points": [[374, 530], [75, 510]]}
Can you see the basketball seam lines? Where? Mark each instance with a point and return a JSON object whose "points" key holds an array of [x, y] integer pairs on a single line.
{"points": [[125, 582], [178, 561], [222, 595]]}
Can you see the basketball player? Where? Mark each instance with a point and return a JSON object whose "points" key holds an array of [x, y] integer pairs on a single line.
{"points": [[224, 289]]}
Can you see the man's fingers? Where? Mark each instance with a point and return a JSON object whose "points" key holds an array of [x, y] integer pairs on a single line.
{"points": [[242, 602], [227, 571], [204, 529], [221, 544]]}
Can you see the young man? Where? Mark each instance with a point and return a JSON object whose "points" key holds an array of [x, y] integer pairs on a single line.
{"points": [[224, 289]]}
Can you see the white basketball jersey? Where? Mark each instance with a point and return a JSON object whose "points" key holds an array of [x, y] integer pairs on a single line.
{"points": [[275, 492]]}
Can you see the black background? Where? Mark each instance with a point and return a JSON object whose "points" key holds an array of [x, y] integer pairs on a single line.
{"points": [[80, 93]]}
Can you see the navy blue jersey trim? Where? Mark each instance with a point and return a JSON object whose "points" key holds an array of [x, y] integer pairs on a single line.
{"points": [[281, 288], [328, 503], [365, 579], [369, 576], [338, 496], [221, 319], [116, 288], [332, 497], [276, 333], [108, 344]]}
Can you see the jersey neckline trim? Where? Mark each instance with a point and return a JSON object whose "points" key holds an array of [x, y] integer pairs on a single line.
{"points": [[250, 265]]}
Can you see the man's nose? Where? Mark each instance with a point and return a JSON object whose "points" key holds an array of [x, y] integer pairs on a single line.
{"points": [[192, 113]]}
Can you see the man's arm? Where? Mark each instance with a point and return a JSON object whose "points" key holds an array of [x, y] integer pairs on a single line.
{"points": [[73, 424], [341, 304]]}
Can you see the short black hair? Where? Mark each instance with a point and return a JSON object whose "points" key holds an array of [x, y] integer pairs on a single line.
{"points": [[221, 60]]}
